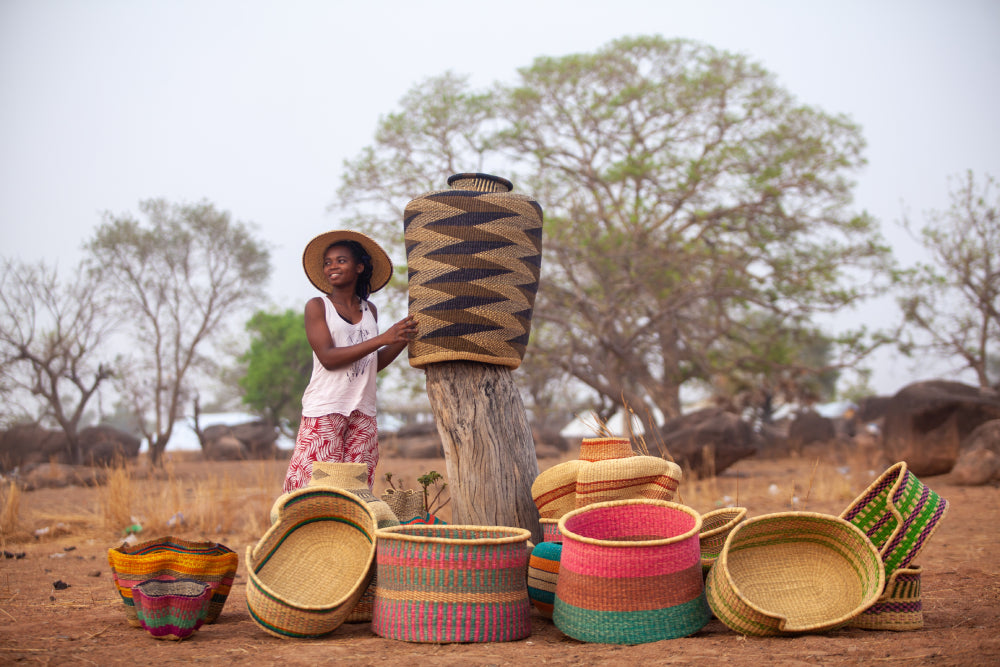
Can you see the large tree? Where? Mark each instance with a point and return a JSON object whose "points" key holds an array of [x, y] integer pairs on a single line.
{"points": [[952, 302], [176, 279], [51, 338], [688, 198]]}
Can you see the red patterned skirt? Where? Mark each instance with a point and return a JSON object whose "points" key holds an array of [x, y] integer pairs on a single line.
{"points": [[333, 438]]}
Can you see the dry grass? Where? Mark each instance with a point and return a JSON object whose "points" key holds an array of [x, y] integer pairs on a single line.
{"points": [[10, 507]]}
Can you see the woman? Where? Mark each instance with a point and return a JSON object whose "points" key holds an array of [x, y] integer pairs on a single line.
{"points": [[338, 407]]}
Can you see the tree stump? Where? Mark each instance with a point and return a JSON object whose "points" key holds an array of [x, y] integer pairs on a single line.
{"points": [[488, 448]]}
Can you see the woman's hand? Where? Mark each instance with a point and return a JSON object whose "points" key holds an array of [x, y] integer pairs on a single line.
{"points": [[402, 331]]}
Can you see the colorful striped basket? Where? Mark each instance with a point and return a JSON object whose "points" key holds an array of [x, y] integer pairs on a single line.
{"points": [[794, 572], [899, 608], [550, 530], [543, 575], [171, 609], [554, 490], [626, 478], [604, 448], [168, 558], [630, 573], [452, 584], [899, 514], [715, 528], [309, 570]]}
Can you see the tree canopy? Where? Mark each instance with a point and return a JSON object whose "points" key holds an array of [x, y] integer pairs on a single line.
{"points": [[692, 208]]}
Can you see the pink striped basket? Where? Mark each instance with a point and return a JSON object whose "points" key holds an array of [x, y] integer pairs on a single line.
{"points": [[440, 583], [630, 573]]}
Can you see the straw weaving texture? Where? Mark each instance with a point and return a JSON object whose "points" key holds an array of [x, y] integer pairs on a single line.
{"points": [[899, 514], [452, 584], [715, 528], [543, 574], [602, 449], [621, 479], [310, 569], [171, 558], [554, 490], [550, 530], [172, 609], [630, 573], [474, 255], [794, 572], [405, 505], [900, 607]]}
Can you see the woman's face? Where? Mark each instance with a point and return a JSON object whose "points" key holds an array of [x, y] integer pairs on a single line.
{"points": [[340, 267]]}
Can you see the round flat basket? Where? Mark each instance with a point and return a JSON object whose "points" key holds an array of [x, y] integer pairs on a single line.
{"points": [[171, 609], [309, 571], [794, 572], [630, 573], [441, 583]]}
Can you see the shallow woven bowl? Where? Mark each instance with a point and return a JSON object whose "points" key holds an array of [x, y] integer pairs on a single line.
{"points": [[715, 528], [308, 572], [171, 558], [794, 572], [440, 583], [630, 573], [171, 609]]}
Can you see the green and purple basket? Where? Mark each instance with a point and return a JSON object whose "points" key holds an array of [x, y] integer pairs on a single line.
{"points": [[171, 609], [899, 608], [443, 583], [630, 573]]}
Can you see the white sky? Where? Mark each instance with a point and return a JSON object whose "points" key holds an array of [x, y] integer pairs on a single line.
{"points": [[255, 105]]}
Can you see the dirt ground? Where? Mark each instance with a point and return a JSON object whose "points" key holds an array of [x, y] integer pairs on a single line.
{"points": [[42, 621]]}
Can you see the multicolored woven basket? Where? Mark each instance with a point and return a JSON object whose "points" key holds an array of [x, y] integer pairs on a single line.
{"points": [[604, 448], [474, 255], [715, 528], [554, 490], [899, 608], [171, 609], [794, 572], [168, 558], [452, 584], [630, 573], [899, 514], [607, 480], [550, 530], [308, 572], [543, 575]]}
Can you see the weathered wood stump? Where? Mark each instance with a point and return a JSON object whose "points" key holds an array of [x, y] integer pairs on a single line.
{"points": [[488, 448]]}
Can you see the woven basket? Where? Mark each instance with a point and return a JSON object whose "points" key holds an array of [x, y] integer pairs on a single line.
{"points": [[794, 572], [543, 575], [554, 490], [899, 514], [474, 255], [647, 477], [899, 608], [550, 530], [171, 609], [602, 449], [630, 573], [715, 528], [452, 584], [405, 505], [310, 569], [169, 558]]}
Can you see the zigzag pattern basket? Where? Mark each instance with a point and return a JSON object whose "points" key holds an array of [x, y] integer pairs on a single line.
{"points": [[899, 514], [794, 572], [309, 570], [452, 584], [171, 609], [899, 608], [630, 573], [474, 255], [168, 558]]}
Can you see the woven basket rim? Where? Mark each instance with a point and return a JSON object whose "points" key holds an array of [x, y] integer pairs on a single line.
{"points": [[126, 549], [723, 567], [900, 470], [203, 588], [666, 504], [401, 533], [739, 514]]}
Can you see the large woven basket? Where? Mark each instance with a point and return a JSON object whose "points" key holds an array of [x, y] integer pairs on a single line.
{"points": [[794, 572], [171, 609], [168, 558], [899, 608], [626, 478], [630, 573], [543, 575], [310, 569], [452, 584], [554, 490], [604, 448], [474, 256], [899, 514], [715, 528]]}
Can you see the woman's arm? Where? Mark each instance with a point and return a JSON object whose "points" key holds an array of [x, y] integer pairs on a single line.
{"points": [[333, 357]]}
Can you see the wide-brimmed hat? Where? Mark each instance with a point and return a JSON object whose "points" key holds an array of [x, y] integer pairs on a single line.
{"points": [[312, 258]]}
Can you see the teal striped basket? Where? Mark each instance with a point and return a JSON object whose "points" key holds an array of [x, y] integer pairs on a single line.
{"points": [[543, 574], [443, 583], [630, 573]]}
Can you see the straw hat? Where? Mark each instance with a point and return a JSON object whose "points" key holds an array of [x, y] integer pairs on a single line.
{"points": [[312, 258]]}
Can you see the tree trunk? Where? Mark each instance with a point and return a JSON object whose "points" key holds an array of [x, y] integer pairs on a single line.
{"points": [[488, 446]]}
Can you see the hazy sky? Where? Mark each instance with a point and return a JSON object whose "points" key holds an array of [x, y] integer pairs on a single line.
{"points": [[255, 105]]}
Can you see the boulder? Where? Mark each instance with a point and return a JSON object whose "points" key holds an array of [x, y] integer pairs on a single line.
{"points": [[257, 440], [26, 444], [225, 448], [979, 460], [60, 475], [927, 422], [706, 441], [104, 445], [810, 427]]}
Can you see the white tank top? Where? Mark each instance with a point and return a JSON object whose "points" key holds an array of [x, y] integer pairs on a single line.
{"points": [[352, 387]]}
